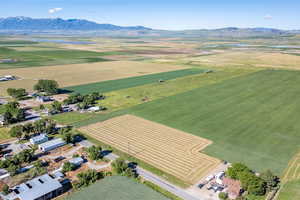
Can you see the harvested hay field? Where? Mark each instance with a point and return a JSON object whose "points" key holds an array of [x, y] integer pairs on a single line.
{"points": [[249, 58], [293, 170], [170, 150], [77, 74], [290, 189]]}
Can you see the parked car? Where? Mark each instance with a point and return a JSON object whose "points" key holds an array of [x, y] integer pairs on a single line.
{"points": [[201, 185]]}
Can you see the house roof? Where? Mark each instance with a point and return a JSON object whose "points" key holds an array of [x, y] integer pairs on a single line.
{"points": [[37, 187], [51, 143], [38, 138], [234, 186], [76, 161]]}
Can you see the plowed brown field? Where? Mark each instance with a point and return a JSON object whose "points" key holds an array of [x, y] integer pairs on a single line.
{"points": [[170, 150]]}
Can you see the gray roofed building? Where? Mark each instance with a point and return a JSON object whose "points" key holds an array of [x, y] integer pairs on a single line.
{"points": [[40, 188], [52, 144], [76, 161], [39, 139]]}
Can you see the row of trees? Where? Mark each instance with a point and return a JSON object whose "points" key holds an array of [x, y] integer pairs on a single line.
{"points": [[253, 184], [14, 164], [46, 126], [87, 178], [13, 113], [48, 86], [18, 94], [84, 101]]}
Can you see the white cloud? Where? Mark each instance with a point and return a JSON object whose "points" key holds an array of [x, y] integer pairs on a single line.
{"points": [[54, 10], [268, 17]]}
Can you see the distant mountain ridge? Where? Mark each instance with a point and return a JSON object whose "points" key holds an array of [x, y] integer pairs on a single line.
{"points": [[27, 23]]}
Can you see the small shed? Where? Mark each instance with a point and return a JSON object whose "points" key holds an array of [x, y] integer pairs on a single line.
{"points": [[39, 139], [43, 99], [52, 144], [76, 161], [94, 109]]}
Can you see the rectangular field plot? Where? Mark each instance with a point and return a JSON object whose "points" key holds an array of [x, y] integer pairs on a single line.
{"points": [[170, 150], [111, 85], [78, 74]]}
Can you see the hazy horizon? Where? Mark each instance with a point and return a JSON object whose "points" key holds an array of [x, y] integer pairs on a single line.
{"points": [[166, 15]]}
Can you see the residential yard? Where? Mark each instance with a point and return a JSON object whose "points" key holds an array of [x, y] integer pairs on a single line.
{"points": [[116, 188], [71, 117], [4, 135]]}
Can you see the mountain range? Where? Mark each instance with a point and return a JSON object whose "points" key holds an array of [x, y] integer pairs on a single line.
{"points": [[81, 26], [27, 23]]}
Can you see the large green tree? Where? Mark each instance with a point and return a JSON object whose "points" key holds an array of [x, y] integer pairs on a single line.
{"points": [[16, 93], [16, 131], [48, 86], [94, 152], [13, 113]]}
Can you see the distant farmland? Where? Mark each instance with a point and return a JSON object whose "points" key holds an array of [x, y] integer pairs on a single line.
{"points": [[119, 84], [78, 74], [37, 58], [116, 188], [251, 119]]}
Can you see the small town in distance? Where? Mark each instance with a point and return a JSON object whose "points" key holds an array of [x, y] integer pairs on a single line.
{"points": [[202, 104]]}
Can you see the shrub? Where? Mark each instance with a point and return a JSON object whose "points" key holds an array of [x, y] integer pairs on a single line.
{"points": [[5, 189], [68, 167], [223, 195]]}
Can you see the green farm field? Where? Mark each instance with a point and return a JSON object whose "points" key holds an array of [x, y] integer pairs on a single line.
{"points": [[48, 57], [250, 119], [107, 86], [116, 188], [290, 191]]}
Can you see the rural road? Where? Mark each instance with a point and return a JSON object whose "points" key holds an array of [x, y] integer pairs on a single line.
{"points": [[166, 185], [156, 179]]}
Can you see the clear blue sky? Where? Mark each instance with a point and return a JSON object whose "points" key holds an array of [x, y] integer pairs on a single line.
{"points": [[165, 14]]}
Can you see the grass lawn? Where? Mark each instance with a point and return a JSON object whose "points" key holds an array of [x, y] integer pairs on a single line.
{"points": [[71, 117], [290, 191], [2, 109], [49, 57], [251, 119], [107, 86], [4, 135], [116, 188]]}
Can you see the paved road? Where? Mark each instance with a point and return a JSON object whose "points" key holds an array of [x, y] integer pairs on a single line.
{"points": [[155, 179], [166, 185]]}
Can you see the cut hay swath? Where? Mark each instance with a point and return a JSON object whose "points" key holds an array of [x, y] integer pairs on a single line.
{"points": [[168, 149], [292, 172]]}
